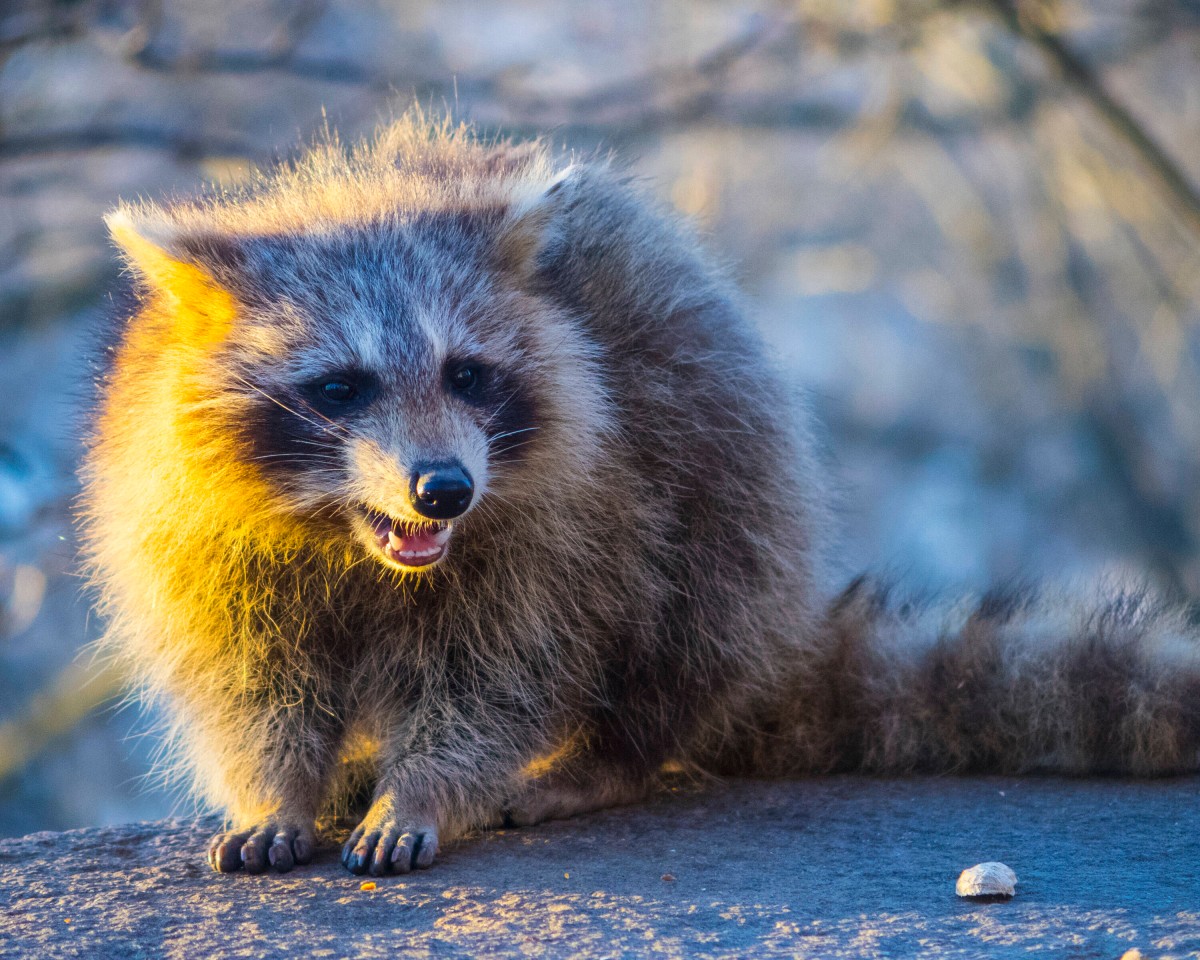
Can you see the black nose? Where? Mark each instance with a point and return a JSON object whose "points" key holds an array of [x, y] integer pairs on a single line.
{"points": [[441, 491]]}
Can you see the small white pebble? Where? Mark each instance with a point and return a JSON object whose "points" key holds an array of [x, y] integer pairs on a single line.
{"points": [[989, 879]]}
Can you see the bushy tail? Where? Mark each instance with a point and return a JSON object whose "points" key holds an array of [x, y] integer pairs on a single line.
{"points": [[1018, 680]]}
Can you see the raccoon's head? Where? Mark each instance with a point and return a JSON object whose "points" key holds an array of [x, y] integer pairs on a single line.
{"points": [[389, 378]]}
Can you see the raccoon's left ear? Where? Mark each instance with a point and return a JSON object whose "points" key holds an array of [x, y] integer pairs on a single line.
{"points": [[531, 221]]}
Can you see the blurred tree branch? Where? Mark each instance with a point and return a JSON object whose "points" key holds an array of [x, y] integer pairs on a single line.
{"points": [[1022, 17], [1169, 533], [182, 144], [672, 97], [749, 112]]}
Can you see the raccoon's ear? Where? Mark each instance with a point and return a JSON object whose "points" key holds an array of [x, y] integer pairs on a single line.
{"points": [[180, 265], [531, 222], [162, 253]]}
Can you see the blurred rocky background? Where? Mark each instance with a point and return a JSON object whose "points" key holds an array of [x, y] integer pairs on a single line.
{"points": [[968, 229]]}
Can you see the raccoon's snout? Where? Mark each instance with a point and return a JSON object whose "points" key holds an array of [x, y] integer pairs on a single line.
{"points": [[441, 491]]}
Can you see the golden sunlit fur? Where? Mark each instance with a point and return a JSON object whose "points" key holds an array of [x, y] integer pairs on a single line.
{"points": [[634, 584]]}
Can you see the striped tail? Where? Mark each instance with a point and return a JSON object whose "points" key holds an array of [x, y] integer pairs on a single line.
{"points": [[1018, 680]]}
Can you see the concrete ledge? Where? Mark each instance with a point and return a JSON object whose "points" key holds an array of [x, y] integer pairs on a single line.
{"points": [[833, 867]]}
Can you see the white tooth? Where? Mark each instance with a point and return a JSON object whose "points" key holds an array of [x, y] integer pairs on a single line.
{"points": [[394, 541]]}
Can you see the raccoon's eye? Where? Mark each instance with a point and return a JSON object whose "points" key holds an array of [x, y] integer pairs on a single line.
{"points": [[338, 391], [465, 378], [342, 391]]}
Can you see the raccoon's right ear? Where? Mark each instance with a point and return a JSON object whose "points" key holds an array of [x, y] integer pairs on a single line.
{"points": [[184, 268], [168, 258], [531, 222]]}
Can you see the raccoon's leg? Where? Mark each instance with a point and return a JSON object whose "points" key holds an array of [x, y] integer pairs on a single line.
{"points": [[449, 764], [608, 762], [271, 772], [397, 835], [585, 784]]}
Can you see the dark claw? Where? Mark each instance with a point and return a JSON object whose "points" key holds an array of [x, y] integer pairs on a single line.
{"points": [[425, 851], [360, 856], [253, 864], [402, 856], [280, 853], [225, 853], [348, 847], [302, 850], [254, 851], [381, 861]]}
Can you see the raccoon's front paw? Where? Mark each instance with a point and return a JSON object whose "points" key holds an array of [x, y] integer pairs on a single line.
{"points": [[391, 839], [280, 844]]}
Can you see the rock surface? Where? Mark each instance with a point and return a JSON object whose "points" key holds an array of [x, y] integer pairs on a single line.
{"points": [[834, 867]]}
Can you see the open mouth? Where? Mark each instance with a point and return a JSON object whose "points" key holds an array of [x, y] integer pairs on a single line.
{"points": [[407, 544]]}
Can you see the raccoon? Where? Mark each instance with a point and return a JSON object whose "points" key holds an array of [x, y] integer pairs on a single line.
{"points": [[459, 459]]}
